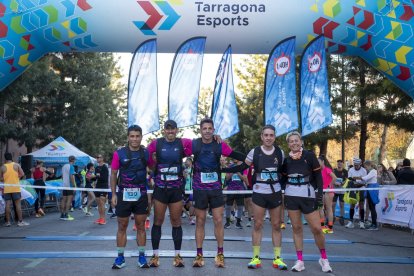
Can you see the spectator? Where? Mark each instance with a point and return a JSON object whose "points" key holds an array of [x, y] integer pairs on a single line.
{"points": [[385, 177], [341, 174], [10, 173], [39, 175], [101, 173], [406, 174], [357, 171], [371, 195], [68, 177]]}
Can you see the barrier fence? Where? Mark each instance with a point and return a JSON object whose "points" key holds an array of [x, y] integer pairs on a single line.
{"points": [[395, 206]]}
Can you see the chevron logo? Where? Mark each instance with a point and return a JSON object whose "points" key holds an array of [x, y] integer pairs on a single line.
{"points": [[25, 43], [6, 49], [58, 147], [84, 5], [161, 9], [324, 26], [24, 60], [85, 42], [3, 29]]}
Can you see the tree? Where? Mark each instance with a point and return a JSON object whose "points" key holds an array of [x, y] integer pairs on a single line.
{"points": [[75, 95], [28, 104]]}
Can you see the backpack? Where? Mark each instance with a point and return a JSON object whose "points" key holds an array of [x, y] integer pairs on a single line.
{"points": [[129, 156], [196, 148], [280, 156], [197, 143], [160, 142]]}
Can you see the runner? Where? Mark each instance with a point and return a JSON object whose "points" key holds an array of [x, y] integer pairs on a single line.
{"points": [[328, 179], [10, 173], [167, 154], [68, 179], [207, 188], [235, 182], [39, 174], [90, 178], [131, 162], [304, 194], [267, 160], [341, 175], [101, 172]]}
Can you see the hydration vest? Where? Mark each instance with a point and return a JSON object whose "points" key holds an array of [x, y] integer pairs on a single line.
{"points": [[133, 166]]}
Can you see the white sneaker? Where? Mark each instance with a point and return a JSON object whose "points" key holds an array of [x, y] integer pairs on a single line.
{"points": [[299, 266], [325, 265], [361, 225], [89, 214], [249, 224], [350, 225], [23, 223], [7, 224], [183, 215]]}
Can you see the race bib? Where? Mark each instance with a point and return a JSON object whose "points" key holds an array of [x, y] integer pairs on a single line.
{"points": [[339, 181], [235, 177], [131, 194], [169, 177], [209, 177], [271, 175]]}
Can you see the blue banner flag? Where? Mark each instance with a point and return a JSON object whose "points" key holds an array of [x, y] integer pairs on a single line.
{"points": [[142, 88], [185, 82], [315, 106], [280, 106], [224, 109]]}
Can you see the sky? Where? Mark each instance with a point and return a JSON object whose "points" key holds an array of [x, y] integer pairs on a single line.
{"points": [[164, 63]]}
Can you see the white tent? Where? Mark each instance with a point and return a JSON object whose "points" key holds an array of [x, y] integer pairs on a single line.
{"points": [[58, 151]]}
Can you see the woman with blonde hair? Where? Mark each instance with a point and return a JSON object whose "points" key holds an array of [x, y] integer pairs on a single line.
{"points": [[304, 195]]}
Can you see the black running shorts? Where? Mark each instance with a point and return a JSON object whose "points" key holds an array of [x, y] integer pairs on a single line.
{"points": [[205, 198], [305, 204], [267, 201], [124, 209], [167, 196]]}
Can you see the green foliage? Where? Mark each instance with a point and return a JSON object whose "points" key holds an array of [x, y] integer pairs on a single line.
{"points": [[74, 95]]}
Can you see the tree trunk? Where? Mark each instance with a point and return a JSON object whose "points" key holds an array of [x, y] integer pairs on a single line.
{"points": [[382, 149], [343, 108], [323, 147], [363, 109]]}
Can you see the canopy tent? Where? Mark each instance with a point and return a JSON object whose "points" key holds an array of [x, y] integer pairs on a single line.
{"points": [[58, 151]]}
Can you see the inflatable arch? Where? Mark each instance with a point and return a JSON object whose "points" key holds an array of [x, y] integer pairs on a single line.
{"points": [[380, 31]]}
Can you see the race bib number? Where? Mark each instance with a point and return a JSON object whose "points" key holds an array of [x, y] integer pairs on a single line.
{"points": [[169, 177], [235, 177], [209, 177], [271, 175], [339, 181], [131, 194]]}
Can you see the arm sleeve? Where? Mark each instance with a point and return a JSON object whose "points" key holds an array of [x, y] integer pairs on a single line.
{"points": [[371, 175], [235, 169], [115, 161], [237, 155]]}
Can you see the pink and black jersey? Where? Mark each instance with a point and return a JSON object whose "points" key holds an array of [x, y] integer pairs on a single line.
{"points": [[206, 175], [169, 155], [132, 166]]}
